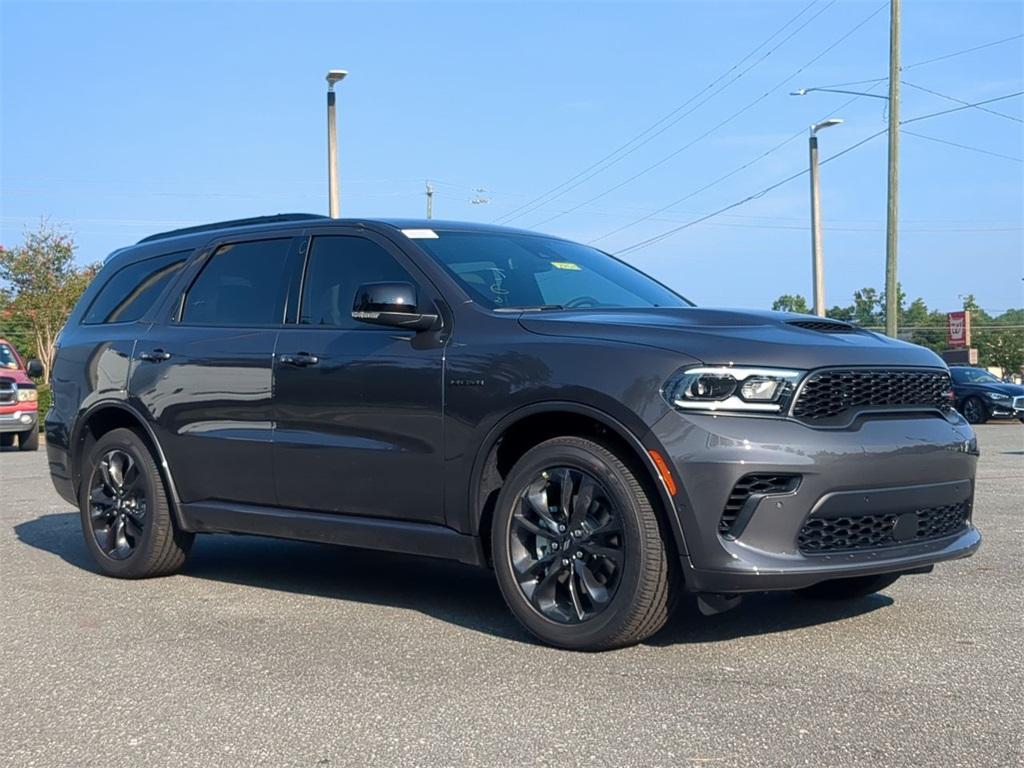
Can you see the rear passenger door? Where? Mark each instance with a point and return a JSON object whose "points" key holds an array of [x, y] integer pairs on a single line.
{"points": [[359, 425], [204, 376]]}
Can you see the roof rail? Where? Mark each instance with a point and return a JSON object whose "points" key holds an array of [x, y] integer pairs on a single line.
{"points": [[273, 219]]}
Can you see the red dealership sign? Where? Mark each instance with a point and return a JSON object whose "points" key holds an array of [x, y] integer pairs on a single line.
{"points": [[958, 329]]}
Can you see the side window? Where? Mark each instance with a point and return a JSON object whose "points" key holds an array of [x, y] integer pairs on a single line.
{"points": [[337, 266], [131, 291], [241, 284]]}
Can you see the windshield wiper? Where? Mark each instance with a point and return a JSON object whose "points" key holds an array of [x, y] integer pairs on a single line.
{"points": [[536, 308]]}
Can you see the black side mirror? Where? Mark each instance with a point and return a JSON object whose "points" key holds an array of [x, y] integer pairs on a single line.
{"points": [[391, 304], [34, 368]]}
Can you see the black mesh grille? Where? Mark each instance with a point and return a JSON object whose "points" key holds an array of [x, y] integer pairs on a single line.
{"points": [[830, 394], [823, 326], [871, 531], [747, 486]]}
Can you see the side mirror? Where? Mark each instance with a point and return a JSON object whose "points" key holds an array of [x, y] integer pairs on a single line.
{"points": [[34, 368], [391, 304]]}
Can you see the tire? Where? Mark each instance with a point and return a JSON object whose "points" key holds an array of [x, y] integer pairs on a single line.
{"points": [[29, 440], [129, 529], [6, 439], [848, 589], [974, 411], [615, 583]]}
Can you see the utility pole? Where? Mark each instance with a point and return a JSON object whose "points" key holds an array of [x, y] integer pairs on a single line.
{"points": [[333, 193], [892, 299], [817, 259], [430, 201]]}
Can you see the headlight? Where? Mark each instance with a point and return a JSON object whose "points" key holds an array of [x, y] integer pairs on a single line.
{"points": [[996, 396], [27, 394], [764, 390]]}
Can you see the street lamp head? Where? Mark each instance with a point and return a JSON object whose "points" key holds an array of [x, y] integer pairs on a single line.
{"points": [[335, 76], [800, 92], [825, 124]]}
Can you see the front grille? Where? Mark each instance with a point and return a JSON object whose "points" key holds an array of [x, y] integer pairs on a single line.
{"points": [[824, 326], [834, 393], [839, 534], [8, 394], [748, 486], [1018, 402]]}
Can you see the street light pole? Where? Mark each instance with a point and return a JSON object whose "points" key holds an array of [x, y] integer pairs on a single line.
{"points": [[817, 258], [333, 192], [430, 201], [892, 299]]}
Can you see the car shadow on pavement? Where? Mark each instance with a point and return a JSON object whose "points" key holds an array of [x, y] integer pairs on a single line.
{"points": [[447, 591]]}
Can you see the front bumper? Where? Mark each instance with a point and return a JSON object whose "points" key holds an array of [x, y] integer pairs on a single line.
{"points": [[1006, 409], [881, 467], [19, 420]]}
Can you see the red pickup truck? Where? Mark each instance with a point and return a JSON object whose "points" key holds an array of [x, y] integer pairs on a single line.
{"points": [[19, 407]]}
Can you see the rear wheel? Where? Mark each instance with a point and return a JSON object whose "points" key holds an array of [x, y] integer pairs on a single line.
{"points": [[848, 589], [974, 411], [29, 440], [578, 551], [126, 517]]}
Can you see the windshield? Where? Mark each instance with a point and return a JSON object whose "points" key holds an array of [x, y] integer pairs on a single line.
{"points": [[974, 376], [8, 360], [513, 271]]}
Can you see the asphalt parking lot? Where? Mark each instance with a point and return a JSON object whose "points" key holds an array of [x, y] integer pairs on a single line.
{"points": [[285, 654]]}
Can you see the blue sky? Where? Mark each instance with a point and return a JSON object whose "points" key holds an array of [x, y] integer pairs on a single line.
{"points": [[122, 119]]}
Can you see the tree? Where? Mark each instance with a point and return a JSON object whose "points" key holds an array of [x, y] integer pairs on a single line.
{"points": [[791, 303], [42, 283]]}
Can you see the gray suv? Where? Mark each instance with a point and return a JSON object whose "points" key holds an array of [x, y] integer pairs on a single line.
{"points": [[505, 399]]}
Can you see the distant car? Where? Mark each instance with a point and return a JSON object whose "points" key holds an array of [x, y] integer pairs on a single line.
{"points": [[18, 399], [981, 396]]}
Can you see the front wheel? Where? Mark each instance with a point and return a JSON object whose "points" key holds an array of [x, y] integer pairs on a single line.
{"points": [[126, 516], [974, 411], [578, 551], [848, 589], [29, 440]]}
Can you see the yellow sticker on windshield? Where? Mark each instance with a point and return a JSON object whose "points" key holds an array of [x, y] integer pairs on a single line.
{"points": [[566, 265]]}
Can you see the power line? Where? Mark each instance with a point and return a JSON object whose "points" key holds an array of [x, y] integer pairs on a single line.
{"points": [[961, 101], [961, 108], [964, 146], [747, 199], [643, 137], [723, 177], [961, 53], [729, 119]]}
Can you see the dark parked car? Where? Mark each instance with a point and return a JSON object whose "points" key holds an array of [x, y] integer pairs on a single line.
{"points": [[981, 396], [504, 399]]}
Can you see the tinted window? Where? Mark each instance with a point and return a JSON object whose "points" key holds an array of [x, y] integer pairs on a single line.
{"points": [[507, 270], [241, 284], [337, 267], [130, 293]]}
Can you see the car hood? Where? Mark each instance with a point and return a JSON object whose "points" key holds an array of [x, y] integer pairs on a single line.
{"points": [[724, 336], [1013, 390], [16, 375]]}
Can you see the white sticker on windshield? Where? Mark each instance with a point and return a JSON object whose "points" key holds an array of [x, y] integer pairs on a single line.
{"points": [[420, 234]]}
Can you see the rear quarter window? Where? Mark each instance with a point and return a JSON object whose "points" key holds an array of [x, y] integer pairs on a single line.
{"points": [[133, 289]]}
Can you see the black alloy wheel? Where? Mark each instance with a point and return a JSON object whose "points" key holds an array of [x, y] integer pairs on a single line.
{"points": [[127, 520], [117, 504], [579, 552], [566, 545], [974, 411]]}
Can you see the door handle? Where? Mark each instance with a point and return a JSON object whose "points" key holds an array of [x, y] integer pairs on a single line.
{"points": [[300, 360], [156, 356]]}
